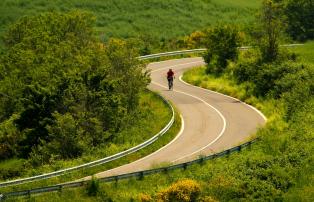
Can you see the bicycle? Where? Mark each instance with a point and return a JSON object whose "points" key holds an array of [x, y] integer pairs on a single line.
{"points": [[170, 83]]}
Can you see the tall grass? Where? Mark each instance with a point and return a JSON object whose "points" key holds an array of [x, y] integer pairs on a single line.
{"points": [[127, 18], [305, 52]]}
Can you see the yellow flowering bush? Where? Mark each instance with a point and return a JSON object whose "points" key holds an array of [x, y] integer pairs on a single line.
{"points": [[144, 197], [183, 190]]}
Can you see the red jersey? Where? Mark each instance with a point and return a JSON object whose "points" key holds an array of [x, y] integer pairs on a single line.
{"points": [[170, 74]]}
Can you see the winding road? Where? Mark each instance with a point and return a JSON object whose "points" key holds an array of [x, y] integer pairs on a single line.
{"points": [[211, 122]]}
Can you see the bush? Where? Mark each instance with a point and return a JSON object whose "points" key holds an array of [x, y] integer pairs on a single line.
{"points": [[92, 187], [9, 138], [271, 79], [144, 197], [300, 19], [11, 168], [245, 70], [221, 44], [208, 199], [184, 190], [225, 187]]}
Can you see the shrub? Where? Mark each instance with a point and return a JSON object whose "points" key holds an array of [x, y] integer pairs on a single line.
{"points": [[93, 187], [184, 190], [11, 168], [269, 78], [144, 197], [245, 70], [221, 44], [225, 187], [208, 199], [300, 19]]}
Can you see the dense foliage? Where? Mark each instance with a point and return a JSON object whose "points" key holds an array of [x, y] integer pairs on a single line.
{"points": [[269, 30], [222, 46], [300, 18], [279, 167], [62, 91]]}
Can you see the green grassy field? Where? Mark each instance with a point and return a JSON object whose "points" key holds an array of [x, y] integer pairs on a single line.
{"points": [[127, 18], [305, 52]]}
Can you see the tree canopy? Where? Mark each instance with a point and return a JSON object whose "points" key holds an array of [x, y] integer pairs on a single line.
{"points": [[60, 86]]}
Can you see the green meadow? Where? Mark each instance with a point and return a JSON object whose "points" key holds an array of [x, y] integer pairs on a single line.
{"points": [[159, 19]]}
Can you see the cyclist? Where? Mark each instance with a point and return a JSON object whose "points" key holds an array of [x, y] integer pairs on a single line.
{"points": [[170, 77]]}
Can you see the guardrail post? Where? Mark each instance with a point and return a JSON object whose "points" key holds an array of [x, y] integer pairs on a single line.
{"points": [[165, 170], [60, 188], [249, 145], [2, 197], [201, 160], [116, 178], [228, 153], [29, 194], [141, 175], [185, 165], [239, 148]]}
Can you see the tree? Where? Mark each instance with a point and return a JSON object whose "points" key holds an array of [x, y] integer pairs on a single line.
{"points": [[300, 15], [222, 45], [65, 89], [65, 141], [271, 28]]}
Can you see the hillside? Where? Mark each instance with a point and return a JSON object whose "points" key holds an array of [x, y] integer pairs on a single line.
{"points": [[126, 18]]}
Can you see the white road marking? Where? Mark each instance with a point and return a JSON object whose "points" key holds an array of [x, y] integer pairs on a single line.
{"points": [[162, 148], [259, 112], [206, 103]]}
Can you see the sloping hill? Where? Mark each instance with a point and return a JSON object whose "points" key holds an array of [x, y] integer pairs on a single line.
{"points": [[125, 18]]}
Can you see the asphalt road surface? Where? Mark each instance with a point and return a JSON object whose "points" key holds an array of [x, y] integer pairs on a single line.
{"points": [[212, 122]]}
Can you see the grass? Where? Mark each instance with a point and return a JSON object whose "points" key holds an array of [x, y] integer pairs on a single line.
{"points": [[305, 52], [128, 18], [143, 130], [226, 85]]}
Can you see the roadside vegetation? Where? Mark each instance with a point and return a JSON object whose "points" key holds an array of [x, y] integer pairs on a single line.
{"points": [[66, 99], [278, 81]]}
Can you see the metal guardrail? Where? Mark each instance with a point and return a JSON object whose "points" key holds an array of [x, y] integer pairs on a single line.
{"points": [[181, 52], [100, 161], [139, 174], [158, 55]]}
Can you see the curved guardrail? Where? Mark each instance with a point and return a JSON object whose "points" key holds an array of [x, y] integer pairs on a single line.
{"points": [[158, 55], [100, 161], [139, 174], [181, 52]]}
